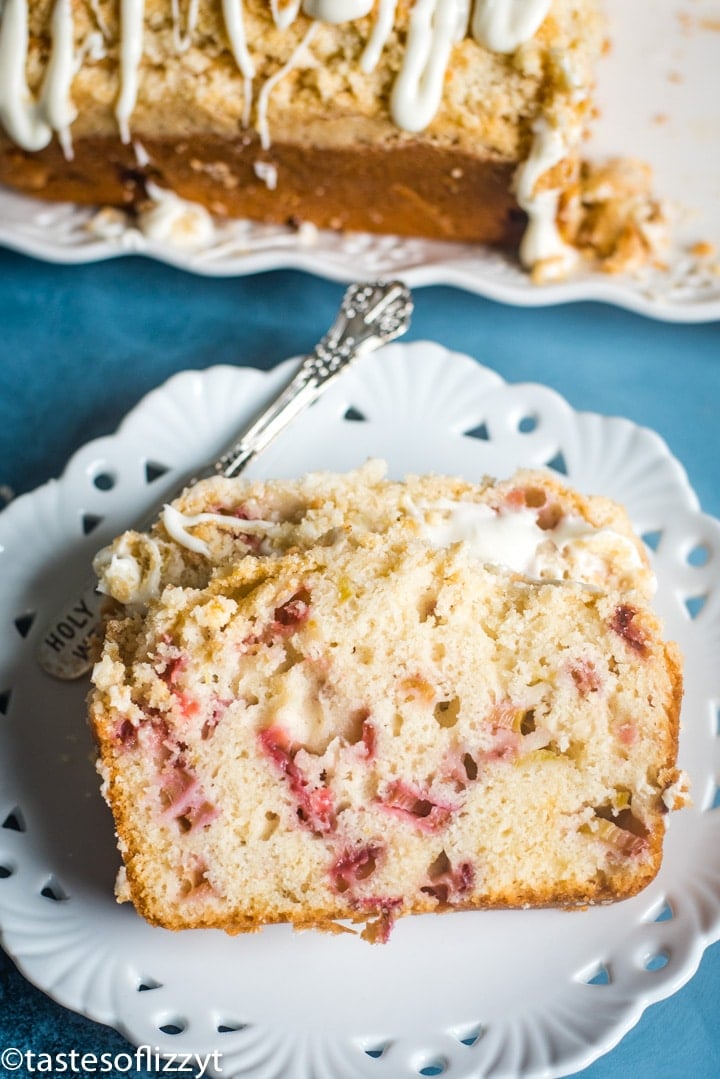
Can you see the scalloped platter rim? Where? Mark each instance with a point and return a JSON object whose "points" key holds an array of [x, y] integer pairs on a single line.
{"points": [[444, 990]]}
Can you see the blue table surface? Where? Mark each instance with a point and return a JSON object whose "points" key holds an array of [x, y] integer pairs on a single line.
{"points": [[79, 346]]}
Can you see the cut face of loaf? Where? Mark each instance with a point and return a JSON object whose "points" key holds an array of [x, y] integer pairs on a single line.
{"points": [[357, 715]]}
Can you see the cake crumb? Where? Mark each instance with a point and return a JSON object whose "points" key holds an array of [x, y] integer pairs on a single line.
{"points": [[613, 217], [703, 250]]}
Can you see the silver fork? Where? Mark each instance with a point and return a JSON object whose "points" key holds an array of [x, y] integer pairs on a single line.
{"points": [[370, 315]]}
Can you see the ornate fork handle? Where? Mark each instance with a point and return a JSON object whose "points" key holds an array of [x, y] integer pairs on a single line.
{"points": [[371, 315]]}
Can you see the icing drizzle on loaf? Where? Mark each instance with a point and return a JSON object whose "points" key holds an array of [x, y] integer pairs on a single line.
{"points": [[435, 26]]}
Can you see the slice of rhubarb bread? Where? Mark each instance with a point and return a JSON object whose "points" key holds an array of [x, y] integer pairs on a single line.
{"points": [[345, 699]]}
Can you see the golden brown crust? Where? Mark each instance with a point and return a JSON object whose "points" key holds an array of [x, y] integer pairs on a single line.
{"points": [[331, 920], [670, 778], [414, 189]]}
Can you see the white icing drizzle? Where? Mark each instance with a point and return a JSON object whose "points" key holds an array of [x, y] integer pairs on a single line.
{"points": [[235, 28], [29, 122], [269, 85], [504, 25], [93, 47], [141, 155], [434, 27], [129, 570], [542, 241], [382, 28], [55, 99], [132, 17], [337, 11], [284, 15], [514, 541], [182, 40], [175, 222], [178, 525], [100, 19], [268, 173]]}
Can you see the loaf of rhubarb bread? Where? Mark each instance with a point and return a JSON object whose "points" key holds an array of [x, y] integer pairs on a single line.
{"points": [[434, 118], [343, 699]]}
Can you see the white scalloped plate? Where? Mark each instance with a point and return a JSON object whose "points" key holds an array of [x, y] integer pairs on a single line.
{"points": [[500, 994], [665, 113]]}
